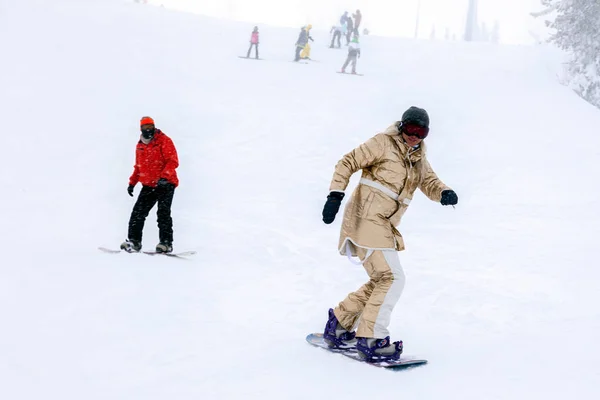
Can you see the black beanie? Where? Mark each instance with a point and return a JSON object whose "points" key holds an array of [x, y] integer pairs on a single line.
{"points": [[416, 115]]}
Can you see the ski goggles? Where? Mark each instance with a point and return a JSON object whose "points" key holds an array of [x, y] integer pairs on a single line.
{"points": [[412, 129]]}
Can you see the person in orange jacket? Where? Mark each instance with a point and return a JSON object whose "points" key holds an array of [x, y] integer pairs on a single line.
{"points": [[155, 163]]}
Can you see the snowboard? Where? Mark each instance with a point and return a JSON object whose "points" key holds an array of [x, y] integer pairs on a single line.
{"points": [[347, 73], [316, 339], [182, 254]]}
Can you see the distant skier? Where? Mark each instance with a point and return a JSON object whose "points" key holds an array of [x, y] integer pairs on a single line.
{"points": [[155, 163], [349, 29], [393, 165], [253, 42], [357, 21], [344, 18], [337, 34], [353, 54], [302, 45]]}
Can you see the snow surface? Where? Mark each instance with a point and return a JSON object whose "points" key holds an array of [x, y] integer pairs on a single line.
{"points": [[502, 292]]}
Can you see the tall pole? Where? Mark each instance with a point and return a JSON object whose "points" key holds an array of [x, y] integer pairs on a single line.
{"points": [[418, 18], [471, 28]]}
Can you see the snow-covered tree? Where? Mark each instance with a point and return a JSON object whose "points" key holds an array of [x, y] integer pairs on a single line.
{"points": [[576, 29]]}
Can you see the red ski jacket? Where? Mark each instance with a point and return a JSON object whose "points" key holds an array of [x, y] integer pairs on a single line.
{"points": [[155, 160]]}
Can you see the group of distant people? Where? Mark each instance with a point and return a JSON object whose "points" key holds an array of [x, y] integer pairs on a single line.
{"points": [[348, 27], [302, 45]]}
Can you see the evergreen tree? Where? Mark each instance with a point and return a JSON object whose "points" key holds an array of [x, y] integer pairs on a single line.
{"points": [[577, 30]]}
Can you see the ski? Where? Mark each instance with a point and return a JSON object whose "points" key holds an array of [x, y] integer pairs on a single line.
{"points": [[104, 249], [181, 254], [251, 58], [316, 339], [346, 73]]}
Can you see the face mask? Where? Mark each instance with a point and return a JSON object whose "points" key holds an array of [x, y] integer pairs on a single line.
{"points": [[148, 133]]}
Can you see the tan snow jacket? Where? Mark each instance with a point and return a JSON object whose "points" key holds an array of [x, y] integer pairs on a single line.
{"points": [[391, 172]]}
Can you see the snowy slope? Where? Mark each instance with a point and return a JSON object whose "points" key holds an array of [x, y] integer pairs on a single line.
{"points": [[501, 293]]}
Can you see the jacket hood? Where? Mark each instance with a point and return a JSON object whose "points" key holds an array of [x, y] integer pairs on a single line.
{"points": [[393, 131]]}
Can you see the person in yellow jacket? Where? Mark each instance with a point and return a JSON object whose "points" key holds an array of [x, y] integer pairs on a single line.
{"points": [[302, 46], [394, 165]]}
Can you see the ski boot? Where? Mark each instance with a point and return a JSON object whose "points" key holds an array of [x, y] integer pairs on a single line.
{"points": [[335, 335], [377, 350], [164, 247], [131, 246]]}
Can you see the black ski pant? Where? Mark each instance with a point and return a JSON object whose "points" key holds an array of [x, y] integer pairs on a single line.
{"points": [[298, 51], [250, 49], [149, 196]]}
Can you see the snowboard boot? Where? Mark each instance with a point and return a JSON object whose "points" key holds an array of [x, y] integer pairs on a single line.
{"points": [[335, 335], [376, 350], [131, 246], [164, 247]]}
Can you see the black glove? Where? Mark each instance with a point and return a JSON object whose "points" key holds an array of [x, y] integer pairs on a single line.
{"points": [[449, 198], [162, 182], [332, 206], [130, 190]]}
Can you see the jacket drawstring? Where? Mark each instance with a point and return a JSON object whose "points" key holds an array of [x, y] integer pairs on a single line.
{"points": [[408, 153], [349, 254]]}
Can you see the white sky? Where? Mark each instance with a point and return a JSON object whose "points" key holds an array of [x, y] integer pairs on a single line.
{"points": [[381, 17]]}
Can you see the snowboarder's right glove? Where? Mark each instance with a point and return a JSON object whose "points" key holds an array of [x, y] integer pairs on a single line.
{"points": [[332, 206], [449, 198], [130, 190]]}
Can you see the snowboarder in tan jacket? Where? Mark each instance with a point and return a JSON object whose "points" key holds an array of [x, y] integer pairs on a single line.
{"points": [[394, 165]]}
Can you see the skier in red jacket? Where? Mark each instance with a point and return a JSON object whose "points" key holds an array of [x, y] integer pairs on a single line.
{"points": [[155, 164]]}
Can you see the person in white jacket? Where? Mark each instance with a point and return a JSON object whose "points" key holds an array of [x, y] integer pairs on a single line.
{"points": [[337, 34], [353, 54]]}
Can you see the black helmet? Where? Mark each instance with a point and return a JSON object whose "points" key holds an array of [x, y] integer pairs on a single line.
{"points": [[417, 116]]}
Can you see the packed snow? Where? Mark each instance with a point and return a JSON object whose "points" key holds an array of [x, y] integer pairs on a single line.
{"points": [[502, 291]]}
